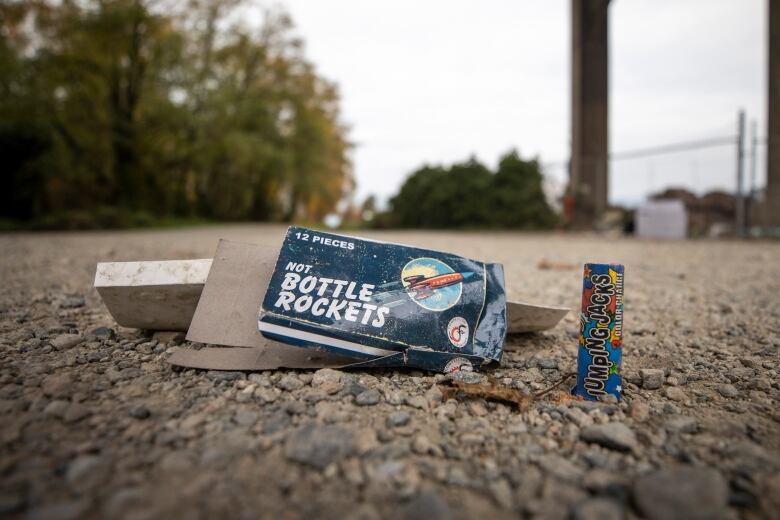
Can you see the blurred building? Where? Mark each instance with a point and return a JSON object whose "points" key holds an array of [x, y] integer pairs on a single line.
{"points": [[711, 215]]}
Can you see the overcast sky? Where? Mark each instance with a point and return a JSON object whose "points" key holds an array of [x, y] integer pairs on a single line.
{"points": [[437, 81]]}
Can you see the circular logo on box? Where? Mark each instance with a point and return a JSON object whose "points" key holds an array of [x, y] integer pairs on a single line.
{"points": [[432, 284], [458, 331]]}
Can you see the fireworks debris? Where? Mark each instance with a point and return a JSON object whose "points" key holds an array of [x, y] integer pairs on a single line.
{"points": [[549, 265]]}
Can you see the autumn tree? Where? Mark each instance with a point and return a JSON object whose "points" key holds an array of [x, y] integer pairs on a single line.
{"points": [[143, 107]]}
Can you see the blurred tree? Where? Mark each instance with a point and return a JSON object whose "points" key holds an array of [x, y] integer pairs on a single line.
{"points": [[518, 195], [444, 197], [468, 195], [368, 209], [411, 207], [145, 106]]}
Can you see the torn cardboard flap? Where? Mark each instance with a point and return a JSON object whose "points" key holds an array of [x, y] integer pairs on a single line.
{"points": [[218, 302], [227, 311], [268, 357], [227, 315]]}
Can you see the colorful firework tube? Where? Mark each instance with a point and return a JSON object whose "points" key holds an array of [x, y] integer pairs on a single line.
{"points": [[601, 332]]}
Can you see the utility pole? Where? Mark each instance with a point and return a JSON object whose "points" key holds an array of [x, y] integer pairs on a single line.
{"points": [[751, 203], [772, 195], [589, 171], [740, 224]]}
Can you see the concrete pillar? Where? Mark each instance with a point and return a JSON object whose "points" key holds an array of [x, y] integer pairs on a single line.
{"points": [[772, 200], [590, 101]]}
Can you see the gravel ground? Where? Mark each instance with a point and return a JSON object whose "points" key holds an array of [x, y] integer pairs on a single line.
{"points": [[96, 424]]}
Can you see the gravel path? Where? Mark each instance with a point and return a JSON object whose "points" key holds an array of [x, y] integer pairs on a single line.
{"points": [[96, 424]]}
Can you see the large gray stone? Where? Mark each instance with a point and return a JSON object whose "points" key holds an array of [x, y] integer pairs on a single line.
{"points": [[326, 376], [675, 394], [682, 424], [319, 446], [612, 435], [729, 391], [82, 467], [652, 378], [682, 493], [58, 385], [66, 341], [368, 397], [426, 506], [399, 418], [290, 383], [71, 510], [598, 509], [76, 412]]}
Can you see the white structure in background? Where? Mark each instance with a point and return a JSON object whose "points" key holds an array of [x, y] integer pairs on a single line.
{"points": [[662, 219]]}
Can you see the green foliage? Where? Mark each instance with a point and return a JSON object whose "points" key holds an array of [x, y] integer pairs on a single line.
{"points": [[119, 111], [518, 195], [468, 195]]}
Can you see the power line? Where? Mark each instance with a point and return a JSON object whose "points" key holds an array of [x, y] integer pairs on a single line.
{"points": [[659, 150], [672, 148], [683, 146]]}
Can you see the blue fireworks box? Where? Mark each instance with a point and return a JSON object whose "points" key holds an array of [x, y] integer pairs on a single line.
{"points": [[383, 304], [600, 350]]}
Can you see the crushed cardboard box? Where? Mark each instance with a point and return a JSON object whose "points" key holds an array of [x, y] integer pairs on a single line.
{"points": [[216, 302]]}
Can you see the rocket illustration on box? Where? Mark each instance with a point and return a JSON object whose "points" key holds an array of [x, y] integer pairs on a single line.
{"points": [[420, 287]]}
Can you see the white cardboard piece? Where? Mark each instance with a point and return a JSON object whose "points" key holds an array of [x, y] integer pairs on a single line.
{"points": [[155, 295], [527, 317]]}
